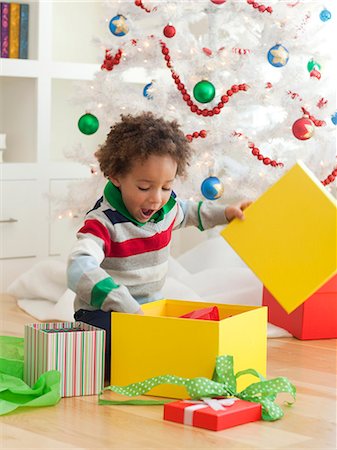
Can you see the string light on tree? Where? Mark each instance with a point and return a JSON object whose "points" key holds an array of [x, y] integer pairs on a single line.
{"points": [[212, 188], [88, 124], [118, 26], [278, 56]]}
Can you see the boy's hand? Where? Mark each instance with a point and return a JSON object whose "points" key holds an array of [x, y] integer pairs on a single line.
{"points": [[236, 211], [140, 312]]}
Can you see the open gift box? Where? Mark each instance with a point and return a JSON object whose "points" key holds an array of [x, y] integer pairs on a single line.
{"points": [[316, 318], [74, 348], [161, 342]]}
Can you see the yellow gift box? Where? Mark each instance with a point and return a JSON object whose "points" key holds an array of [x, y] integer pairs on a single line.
{"points": [[162, 343]]}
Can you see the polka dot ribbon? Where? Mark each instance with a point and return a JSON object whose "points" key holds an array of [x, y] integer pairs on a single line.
{"points": [[223, 383]]}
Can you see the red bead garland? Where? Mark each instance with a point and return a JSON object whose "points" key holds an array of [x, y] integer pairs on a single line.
{"points": [[316, 122], [330, 178], [196, 134], [260, 7], [256, 152], [139, 3], [111, 61], [187, 97], [266, 161]]}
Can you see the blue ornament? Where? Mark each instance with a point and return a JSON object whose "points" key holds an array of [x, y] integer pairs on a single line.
{"points": [[334, 118], [278, 56], [146, 91], [212, 188], [325, 15], [118, 26]]}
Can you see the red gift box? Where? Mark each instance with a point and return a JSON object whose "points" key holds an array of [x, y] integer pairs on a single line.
{"points": [[316, 318], [211, 313], [200, 414]]}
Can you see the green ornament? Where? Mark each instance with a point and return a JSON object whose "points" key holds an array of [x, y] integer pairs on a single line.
{"points": [[88, 124], [204, 91], [313, 65]]}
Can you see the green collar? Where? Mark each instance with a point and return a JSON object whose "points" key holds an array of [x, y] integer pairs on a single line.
{"points": [[114, 197]]}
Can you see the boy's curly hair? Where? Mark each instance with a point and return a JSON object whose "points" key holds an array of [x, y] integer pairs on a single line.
{"points": [[135, 138]]}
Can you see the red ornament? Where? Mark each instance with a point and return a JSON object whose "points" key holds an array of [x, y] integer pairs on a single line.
{"points": [[169, 31], [315, 74], [303, 129], [218, 2]]}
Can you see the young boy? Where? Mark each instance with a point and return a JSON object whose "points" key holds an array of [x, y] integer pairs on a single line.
{"points": [[120, 260]]}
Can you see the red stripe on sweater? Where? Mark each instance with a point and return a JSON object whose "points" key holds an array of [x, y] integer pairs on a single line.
{"points": [[141, 245], [96, 228]]}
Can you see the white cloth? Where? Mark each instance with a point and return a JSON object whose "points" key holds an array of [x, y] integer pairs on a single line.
{"points": [[210, 272]]}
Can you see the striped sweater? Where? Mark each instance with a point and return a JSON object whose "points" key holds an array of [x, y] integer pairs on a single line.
{"points": [[119, 263]]}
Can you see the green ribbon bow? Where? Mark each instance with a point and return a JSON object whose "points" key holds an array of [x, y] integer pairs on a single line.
{"points": [[223, 383]]}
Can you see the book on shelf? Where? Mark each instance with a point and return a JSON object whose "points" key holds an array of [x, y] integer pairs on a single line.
{"points": [[14, 30], [4, 8], [23, 40]]}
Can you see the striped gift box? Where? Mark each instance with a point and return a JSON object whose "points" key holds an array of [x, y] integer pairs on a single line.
{"points": [[74, 348]]}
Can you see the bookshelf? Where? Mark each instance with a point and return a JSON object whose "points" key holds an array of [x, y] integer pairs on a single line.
{"points": [[40, 123]]}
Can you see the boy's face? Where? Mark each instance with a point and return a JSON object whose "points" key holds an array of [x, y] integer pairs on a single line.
{"points": [[147, 186]]}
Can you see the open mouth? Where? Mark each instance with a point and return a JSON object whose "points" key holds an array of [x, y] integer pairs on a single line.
{"points": [[147, 212]]}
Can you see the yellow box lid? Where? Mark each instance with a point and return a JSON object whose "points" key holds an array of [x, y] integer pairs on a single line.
{"points": [[288, 237]]}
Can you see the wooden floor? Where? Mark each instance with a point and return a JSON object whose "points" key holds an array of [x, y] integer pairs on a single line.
{"points": [[82, 424]]}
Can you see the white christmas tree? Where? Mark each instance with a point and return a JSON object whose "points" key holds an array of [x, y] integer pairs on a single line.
{"points": [[252, 85]]}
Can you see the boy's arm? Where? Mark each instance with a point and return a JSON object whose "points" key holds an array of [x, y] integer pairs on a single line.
{"points": [[205, 215], [92, 283]]}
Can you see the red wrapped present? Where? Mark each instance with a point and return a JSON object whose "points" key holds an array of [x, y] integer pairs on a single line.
{"points": [[316, 318], [213, 414], [211, 313]]}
